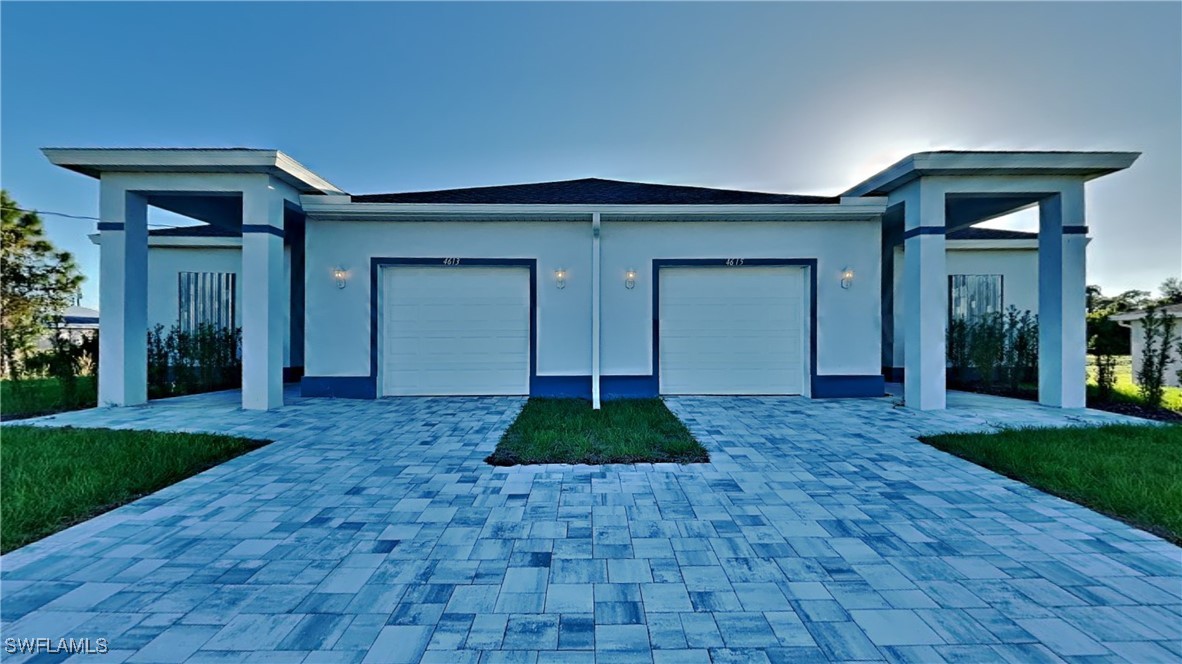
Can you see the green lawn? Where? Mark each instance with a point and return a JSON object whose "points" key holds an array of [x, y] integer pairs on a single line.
{"points": [[31, 397], [1130, 472], [53, 478], [623, 431]]}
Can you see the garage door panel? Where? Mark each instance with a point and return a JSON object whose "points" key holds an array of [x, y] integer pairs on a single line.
{"points": [[456, 331], [732, 330]]}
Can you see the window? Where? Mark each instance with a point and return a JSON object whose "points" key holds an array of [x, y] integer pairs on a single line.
{"points": [[205, 298], [971, 296]]}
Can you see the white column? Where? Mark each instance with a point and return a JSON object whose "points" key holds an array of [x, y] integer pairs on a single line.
{"points": [[925, 284], [123, 297], [263, 295], [1062, 284]]}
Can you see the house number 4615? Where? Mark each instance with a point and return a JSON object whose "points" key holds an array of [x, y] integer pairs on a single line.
{"points": [[734, 261], [451, 261]]}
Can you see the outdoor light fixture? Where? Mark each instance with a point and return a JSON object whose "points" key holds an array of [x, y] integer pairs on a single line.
{"points": [[560, 277], [630, 279], [339, 274], [847, 277]]}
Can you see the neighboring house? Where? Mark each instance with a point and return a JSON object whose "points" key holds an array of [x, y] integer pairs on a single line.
{"points": [[1134, 320], [591, 287], [74, 322]]}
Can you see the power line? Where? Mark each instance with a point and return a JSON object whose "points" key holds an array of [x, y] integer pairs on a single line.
{"points": [[75, 216]]}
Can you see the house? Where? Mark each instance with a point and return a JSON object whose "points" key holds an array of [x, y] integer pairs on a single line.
{"points": [[1135, 321], [589, 287], [193, 277], [74, 322]]}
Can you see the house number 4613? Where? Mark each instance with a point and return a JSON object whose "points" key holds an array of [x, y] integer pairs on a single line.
{"points": [[451, 261], [734, 261]]}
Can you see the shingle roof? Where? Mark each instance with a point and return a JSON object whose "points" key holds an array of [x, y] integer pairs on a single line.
{"points": [[595, 191], [977, 233]]}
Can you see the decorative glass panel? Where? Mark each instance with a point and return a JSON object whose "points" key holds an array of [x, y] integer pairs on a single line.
{"points": [[971, 296], [206, 298]]}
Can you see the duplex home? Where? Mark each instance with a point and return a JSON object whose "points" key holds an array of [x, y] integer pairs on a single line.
{"points": [[592, 287]]}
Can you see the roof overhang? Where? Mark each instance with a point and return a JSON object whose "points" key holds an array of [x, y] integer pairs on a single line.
{"points": [[850, 209], [1087, 165], [96, 161]]}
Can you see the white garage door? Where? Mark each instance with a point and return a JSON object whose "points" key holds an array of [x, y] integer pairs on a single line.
{"points": [[732, 330], [455, 331]]}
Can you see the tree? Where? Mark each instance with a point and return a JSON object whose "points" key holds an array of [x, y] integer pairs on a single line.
{"points": [[36, 282], [1159, 338], [1171, 291]]}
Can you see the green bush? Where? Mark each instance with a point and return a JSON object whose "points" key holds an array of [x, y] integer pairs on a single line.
{"points": [[1159, 337], [1107, 343], [190, 361], [994, 346]]}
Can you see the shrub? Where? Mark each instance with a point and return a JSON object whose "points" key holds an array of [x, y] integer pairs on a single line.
{"points": [[1159, 337], [189, 361], [987, 345], [1020, 359], [958, 347], [1106, 344], [995, 345]]}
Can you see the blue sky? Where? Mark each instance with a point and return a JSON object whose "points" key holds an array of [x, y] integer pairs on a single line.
{"points": [[792, 97]]}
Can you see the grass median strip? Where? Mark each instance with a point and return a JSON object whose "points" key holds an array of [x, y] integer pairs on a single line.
{"points": [[1130, 472], [52, 478], [623, 431]]}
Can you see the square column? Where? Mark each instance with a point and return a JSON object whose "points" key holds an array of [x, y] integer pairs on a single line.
{"points": [[925, 298], [123, 297], [263, 295], [1062, 300]]}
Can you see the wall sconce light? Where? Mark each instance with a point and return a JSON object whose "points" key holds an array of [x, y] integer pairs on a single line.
{"points": [[560, 278], [630, 279], [340, 274], [847, 277]]}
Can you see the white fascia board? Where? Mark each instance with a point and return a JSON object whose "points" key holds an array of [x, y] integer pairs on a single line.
{"points": [[96, 161], [852, 211], [1084, 164]]}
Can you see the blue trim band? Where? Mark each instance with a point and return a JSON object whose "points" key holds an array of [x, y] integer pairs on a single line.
{"points": [[578, 387], [610, 387], [110, 225], [344, 387], [262, 228], [830, 387], [728, 263], [628, 387], [377, 263], [1075, 230], [924, 230]]}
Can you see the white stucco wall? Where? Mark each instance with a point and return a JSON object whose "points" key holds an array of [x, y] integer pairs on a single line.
{"points": [[337, 336], [338, 320], [1018, 267], [848, 320], [165, 263]]}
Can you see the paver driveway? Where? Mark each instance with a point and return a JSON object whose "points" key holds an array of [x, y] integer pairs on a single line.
{"points": [[371, 531]]}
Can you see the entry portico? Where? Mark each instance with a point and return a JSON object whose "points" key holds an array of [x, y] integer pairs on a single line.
{"points": [[254, 192], [931, 194]]}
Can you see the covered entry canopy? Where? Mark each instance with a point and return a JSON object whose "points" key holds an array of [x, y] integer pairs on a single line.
{"points": [[254, 192], [932, 193]]}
